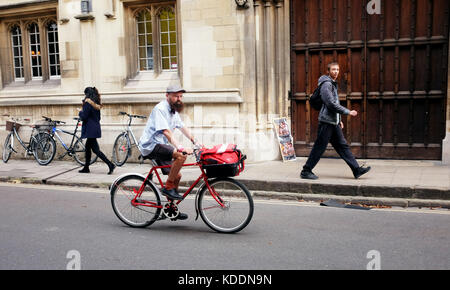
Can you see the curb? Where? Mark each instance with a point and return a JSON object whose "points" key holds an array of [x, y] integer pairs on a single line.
{"points": [[371, 196], [409, 192]]}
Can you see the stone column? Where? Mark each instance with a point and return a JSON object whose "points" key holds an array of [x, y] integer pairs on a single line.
{"points": [[259, 56], [87, 47], [446, 141]]}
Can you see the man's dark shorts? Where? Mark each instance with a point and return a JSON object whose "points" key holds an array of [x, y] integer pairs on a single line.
{"points": [[163, 155]]}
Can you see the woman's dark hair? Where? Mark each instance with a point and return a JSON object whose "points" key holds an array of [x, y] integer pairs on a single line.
{"points": [[92, 93]]}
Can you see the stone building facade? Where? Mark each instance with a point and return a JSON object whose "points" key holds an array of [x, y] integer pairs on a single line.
{"points": [[231, 60], [235, 63]]}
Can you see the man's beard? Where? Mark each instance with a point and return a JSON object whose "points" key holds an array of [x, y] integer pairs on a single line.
{"points": [[177, 106]]}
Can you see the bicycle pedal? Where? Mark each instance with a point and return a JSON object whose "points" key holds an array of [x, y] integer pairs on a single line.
{"points": [[161, 217]]}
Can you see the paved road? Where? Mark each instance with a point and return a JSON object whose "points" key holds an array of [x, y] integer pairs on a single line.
{"points": [[49, 227]]}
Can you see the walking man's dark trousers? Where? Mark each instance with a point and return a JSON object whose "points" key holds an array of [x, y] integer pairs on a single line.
{"points": [[329, 133]]}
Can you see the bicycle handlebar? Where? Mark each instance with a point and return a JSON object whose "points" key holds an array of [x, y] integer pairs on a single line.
{"points": [[132, 116], [47, 119]]}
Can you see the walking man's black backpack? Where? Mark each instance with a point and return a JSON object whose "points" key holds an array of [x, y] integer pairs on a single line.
{"points": [[315, 99]]}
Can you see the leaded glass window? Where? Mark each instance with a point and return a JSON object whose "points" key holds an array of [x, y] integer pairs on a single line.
{"points": [[16, 40], [168, 36], [53, 50], [145, 40], [35, 51]]}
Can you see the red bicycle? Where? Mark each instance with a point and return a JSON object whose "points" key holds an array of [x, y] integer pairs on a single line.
{"points": [[223, 203]]}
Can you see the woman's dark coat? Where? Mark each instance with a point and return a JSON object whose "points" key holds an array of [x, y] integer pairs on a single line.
{"points": [[91, 122]]}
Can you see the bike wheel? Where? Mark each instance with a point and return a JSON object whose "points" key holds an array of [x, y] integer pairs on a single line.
{"points": [[121, 149], [123, 193], [7, 149], [237, 209], [79, 152], [44, 148]]}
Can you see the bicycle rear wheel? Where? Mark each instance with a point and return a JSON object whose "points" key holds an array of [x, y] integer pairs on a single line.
{"points": [[236, 210], [44, 148], [79, 152], [132, 211], [121, 149], [7, 147]]}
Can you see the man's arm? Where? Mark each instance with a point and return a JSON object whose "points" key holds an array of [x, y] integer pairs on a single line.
{"points": [[329, 100], [169, 136], [186, 132]]}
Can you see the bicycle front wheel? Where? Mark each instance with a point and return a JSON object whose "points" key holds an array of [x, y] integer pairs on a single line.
{"points": [[121, 149], [7, 147], [135, 211], [79, 152], [44, 148], [228, 208]]}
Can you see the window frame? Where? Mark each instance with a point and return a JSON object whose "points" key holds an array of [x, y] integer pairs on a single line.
{"points": [[56, 54], [20, 56], [37, 43], [26, 44], [154, 8]]}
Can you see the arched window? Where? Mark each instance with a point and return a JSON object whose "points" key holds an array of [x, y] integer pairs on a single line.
{"points": [[35, 51], [16, 40], [145, 40], [53, 50], [156, 38]]}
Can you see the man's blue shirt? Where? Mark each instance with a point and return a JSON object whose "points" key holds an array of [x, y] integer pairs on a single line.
{"points": [[161, 118]]}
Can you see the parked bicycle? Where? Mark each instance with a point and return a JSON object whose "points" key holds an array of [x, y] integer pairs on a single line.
{"points": [[223, 203], [13, 126], [76, 149], [123, 144]]}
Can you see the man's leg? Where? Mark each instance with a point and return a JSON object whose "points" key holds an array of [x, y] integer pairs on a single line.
{"points": [[174, 174], [320, 145], [340, 145]]}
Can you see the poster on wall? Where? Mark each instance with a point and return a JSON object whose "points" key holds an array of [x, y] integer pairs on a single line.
{"points": [[284, 139]]}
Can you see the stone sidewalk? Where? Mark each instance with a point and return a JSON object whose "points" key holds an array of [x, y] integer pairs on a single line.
{"points": [[389, 183]]}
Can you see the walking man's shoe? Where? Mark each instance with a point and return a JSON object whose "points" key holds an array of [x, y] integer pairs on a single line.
{"points": [[308, 175], [360, 171], [172, 194]]}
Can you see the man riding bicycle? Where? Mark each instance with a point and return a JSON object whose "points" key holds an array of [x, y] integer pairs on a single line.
{"points": [[158, 142]]}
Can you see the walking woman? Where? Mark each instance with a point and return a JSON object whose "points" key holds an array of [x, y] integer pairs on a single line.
{"points": [[91, 130]]}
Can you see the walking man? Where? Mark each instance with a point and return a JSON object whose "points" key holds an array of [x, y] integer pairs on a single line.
{"points": [[330, 127]]}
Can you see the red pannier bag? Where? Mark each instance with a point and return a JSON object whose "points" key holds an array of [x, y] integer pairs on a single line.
{"points": [[222, 160]]}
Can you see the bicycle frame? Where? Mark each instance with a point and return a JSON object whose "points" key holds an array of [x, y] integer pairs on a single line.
{"points": [[55, 133], [21, 142], [55, 130], [133, 138], [197, 181]]}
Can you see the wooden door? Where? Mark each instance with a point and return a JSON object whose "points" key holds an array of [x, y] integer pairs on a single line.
{"points": [[393, 71]]}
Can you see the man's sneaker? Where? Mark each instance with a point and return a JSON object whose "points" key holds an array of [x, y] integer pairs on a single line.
{"points": [[308, 175], [172, 194], [181, 216], [360, 171]]}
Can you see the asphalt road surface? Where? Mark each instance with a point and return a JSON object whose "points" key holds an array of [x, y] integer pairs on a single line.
{"points": [[50, 227]]}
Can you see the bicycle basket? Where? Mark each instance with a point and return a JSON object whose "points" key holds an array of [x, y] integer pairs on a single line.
{"points": [[222, 161], [10, 125]]}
